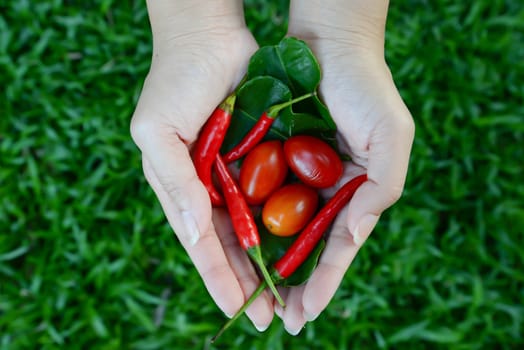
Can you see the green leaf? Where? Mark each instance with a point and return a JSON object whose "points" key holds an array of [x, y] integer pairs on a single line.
{"points": [[290, 123], [292, 62], [305, 270], [254, 97], [277, 74], [273, 247], [324, 112]]}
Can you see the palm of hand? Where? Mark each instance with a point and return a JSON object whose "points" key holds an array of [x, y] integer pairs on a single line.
{"points": [[190, 78]]}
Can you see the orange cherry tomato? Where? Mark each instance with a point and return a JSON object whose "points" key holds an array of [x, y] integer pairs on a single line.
{"points": [[313, 161], [263, 170], [289, 209]]}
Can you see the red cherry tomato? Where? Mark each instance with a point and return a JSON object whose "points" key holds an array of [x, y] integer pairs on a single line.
{"points": [[289, 209], [263, 170], [313, 161]]}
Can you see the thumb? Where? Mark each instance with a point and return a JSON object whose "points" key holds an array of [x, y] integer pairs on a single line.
{"points": [[170, 172], [389, 148]]}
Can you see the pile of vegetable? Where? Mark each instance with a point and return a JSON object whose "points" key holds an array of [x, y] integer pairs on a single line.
{"points": [[278, 132]]}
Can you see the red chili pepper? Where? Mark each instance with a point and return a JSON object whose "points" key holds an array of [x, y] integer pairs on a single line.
{"points": [[243, 222], [259, 130], [304, 244], [311, 235], [209, 143]]}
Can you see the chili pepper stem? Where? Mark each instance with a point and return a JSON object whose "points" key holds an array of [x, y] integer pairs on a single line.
{"points": [[228, 105], [256, 255], [274, 110], [260, 129], [275, 276], [261, 287], [243, 221]]}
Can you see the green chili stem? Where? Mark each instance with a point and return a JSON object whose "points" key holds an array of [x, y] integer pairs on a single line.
{"points": [[255, 254], [262, 286], [274, 110]]}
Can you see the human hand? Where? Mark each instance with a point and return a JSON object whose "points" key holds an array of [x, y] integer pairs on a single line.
{"points": [[374, 125], [200, 52]]}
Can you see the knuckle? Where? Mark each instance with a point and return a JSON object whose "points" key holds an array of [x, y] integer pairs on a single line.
{"points": [[214, 270], [177, 187], [174, 190], [140, 128], [248, 283], [394, 193], [407, 126]]}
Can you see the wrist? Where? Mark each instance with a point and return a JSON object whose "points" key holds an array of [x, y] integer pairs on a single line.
{"points": [[173, 19], [358, 25]]}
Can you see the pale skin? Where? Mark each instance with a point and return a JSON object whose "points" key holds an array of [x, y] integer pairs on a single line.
{"points": [[200, 52]]}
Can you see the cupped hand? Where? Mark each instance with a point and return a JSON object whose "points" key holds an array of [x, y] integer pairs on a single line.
{"points": [[199, 54], [377, 131]]}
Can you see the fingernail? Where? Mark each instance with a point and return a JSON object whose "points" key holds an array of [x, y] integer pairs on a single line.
{"points": [[191, 234], [309, 317], [364, 228], [293, 331], [261, 328]]}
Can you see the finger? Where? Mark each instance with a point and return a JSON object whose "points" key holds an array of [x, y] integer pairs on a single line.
{"points": [[338, 254], [207, 255], [261, 310], [167, 156], [293, 315], [158, 135], [179, 194], [389, 147], [279, 309], [351, 170]]}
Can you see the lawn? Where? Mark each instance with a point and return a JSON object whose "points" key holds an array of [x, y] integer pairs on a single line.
{"points": [[87, 260]]}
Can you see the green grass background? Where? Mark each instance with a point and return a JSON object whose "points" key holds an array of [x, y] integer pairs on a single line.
{"points": [[87, 260]]}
